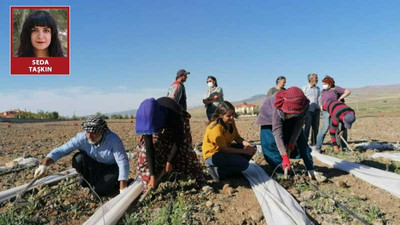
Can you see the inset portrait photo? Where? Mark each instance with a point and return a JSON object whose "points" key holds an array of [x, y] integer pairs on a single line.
{"points": [[39, 40]]}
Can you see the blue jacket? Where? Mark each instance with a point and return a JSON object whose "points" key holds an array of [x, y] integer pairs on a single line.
{"points": [[110, 151]]}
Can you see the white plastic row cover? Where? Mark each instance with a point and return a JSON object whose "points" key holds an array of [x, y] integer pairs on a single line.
{"points": [[114, 209], [12, 192], [278, 206], [387, 181]]}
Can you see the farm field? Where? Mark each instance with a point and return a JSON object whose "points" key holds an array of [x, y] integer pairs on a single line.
{"points": [[68, 203]]}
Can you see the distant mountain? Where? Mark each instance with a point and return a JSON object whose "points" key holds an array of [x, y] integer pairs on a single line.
{"points": [[123, 113], [367, 93], [377, 90], [256, 99]]}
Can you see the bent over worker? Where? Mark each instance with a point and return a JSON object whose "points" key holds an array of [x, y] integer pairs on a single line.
{"points": [[342, 117], [281, 119], [166, 142], [101, 159]]}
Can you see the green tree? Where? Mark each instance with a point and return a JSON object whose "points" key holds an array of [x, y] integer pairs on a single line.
{"points": [[99, 114]]}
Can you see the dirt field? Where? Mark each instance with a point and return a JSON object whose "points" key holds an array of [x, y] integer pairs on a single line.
{"points": [[74, 204]]}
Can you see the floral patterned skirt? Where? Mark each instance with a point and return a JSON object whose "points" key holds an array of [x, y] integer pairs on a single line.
{"points": [[185, 160]]}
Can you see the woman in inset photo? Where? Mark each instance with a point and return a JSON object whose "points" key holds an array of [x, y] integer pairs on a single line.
{"points": [[39, 36]]}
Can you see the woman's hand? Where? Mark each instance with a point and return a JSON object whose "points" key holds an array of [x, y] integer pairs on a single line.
{"points": [[152, 182], [250, 150], [168, 167]]}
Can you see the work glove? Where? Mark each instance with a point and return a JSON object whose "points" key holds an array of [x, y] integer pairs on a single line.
{"points": [[39, 172], [122, 191], [285, 162]]}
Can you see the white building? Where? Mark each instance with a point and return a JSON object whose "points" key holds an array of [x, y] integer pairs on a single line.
{"points": [[246, 109]]}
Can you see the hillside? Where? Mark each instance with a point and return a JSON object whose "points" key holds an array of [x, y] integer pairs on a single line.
{"points": [[368, 100]]}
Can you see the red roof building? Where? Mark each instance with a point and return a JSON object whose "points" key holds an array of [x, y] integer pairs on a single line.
{"points": [[11, 113], [246, 109]]}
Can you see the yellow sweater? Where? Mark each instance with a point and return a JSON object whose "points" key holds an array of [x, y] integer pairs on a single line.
{"points": [[217, 137]]}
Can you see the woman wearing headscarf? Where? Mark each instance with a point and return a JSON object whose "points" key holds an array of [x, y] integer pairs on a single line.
{"points": [[166, 142], [281, 119], [342, 117], [330, 93]]}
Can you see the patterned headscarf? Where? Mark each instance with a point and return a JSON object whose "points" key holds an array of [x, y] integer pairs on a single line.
{"points": [[95, 124], [150, 117], [291, 100]]}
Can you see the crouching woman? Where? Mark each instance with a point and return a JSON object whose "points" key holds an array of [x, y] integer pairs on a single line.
{"points": [[223, 157], [281, 119]]}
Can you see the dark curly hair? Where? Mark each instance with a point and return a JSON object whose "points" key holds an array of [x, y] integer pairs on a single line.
{"points": [[214, 79], [224, 107], [39, 18]]}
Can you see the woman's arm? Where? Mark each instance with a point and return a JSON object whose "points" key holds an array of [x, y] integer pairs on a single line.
{"points": [[245, 143], [230, 150], [345, 94], [212, 99], [148, 140]]}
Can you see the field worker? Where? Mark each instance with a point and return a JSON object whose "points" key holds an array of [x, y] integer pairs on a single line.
{"points": [[280, 86], [342, 117], [312, 92], [213, 96], [101, 159], [177, 90], [223, 157], [281, 119], [330, 92], [166, 142]]}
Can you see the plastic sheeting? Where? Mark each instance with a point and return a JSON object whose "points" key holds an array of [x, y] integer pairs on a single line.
{"points": [[20, 162], [10, 193], [387, 181], [278, 206], [391, 156], [377, 145], [115, 208]]}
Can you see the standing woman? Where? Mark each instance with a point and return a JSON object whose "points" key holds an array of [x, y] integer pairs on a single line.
{"points": [[166, 142], [330, 93], [224, 157], [280, 86], [213, 96], [281, 119], [39, 36]]}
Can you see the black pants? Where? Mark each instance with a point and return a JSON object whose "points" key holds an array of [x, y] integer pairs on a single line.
{"points": [[102, 177], [312, 123]]}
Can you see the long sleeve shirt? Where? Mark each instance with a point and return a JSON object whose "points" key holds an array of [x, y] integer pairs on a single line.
{"points": [[211, 93], [332, 94], [312, 93], [269, 115], [337, 110], [177, 92], [217, 136], [173, 121], [110, 151]]}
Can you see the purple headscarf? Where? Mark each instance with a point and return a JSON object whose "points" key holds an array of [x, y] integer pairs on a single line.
{"points": [[150, 117]]}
